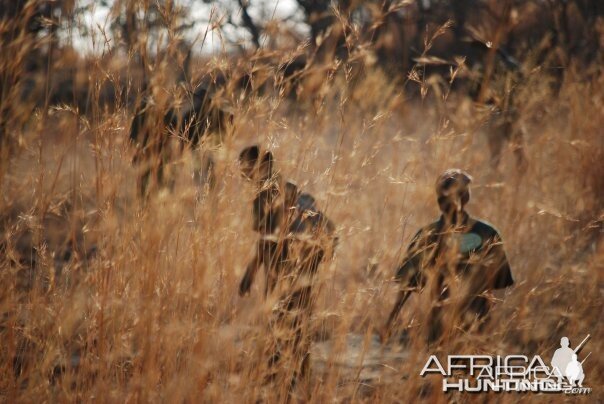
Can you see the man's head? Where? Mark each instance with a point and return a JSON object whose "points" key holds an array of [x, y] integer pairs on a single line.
{"points": [[453, 190], [256, 165], [564, 342], [574, 357]]}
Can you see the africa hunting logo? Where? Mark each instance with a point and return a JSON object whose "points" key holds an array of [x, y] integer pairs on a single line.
{"points": [[513, 373]]}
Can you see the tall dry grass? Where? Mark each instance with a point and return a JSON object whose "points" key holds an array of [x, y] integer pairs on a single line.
{"points": [[106, 297]]}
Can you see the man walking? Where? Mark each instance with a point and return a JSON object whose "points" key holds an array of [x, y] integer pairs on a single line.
{"points": [[456, 260], [295, 237]]}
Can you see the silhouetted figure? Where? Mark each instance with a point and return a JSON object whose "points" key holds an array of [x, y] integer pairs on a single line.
{"points": [[295, 237], [562, 358], [503, 127], [495, 100], [190, 121], [574, 371], [455, 260]]}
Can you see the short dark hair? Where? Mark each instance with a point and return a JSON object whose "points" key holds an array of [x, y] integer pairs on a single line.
{"points": [[256, 164], [250, 154]]}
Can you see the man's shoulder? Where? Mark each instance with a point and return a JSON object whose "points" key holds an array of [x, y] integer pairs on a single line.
{"points": [[427, 231], [306, 202], [431, 228], [309, 216], [485, 229]]}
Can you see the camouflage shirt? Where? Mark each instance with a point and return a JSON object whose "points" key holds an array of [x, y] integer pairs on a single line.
{"points": [[267, 209], [469, 255], [295, 236], [302, 220]]}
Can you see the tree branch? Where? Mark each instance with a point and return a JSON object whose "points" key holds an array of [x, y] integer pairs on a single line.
{"points": [[249, 23]]}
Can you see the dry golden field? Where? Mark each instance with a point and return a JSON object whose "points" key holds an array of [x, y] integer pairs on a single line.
{"points": [[106, 297]]}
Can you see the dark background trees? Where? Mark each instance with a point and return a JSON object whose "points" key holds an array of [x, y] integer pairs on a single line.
{"points": [[394, 34]]}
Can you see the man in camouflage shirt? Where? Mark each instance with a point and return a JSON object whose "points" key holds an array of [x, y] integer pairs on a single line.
{"points": [[295, 237], [457, 260]]}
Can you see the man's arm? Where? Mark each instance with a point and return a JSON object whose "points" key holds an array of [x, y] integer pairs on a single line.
{"points": [[408, 276], [502, 272], [250, 273], [402, 297]]}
